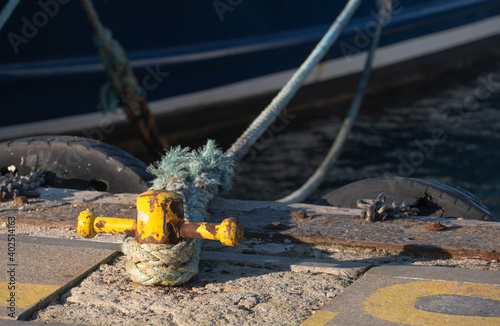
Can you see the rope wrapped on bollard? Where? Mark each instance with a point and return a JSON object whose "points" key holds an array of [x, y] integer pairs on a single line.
{"points": [[199, 176], [166, 254], [159, 264], [159, 253]]}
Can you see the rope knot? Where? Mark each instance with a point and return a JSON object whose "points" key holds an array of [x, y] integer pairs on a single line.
{"points": [[158, 264], [198, 176]]}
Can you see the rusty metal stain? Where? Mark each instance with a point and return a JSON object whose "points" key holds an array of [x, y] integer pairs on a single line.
{"points": [[229, 232], [177, 207], [100, 225], [150, 239], [460, 239], [435, 227], [20, 200], [300, 215], [200, 231], [152, 203], [276, 226], [130, 231], [403, 249]]}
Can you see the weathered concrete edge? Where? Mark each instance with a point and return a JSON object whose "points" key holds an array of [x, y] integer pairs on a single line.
{"points": [[34, 323], [25, 315], [442, 273], [64, 242], [406, 249], [346, 269]]}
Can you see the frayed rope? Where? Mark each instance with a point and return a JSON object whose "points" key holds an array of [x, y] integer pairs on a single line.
{"points": [[199, 176]]}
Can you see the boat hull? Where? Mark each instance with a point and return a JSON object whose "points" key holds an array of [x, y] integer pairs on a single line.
{"points": [[190, 60]]}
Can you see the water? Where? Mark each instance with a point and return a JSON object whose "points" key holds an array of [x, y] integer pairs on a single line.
{"points": [[447, 129]]}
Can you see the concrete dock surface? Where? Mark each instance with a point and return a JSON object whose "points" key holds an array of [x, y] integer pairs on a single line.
{"points": [[408, 275]]}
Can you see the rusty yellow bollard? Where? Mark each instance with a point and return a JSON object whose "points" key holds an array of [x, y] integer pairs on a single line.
{"points": [[160, 220]]}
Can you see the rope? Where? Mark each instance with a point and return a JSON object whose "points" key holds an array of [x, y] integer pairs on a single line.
{"points": [[264, 120], [198, 176], [114, 59], [122, 88], [157, 264], [384, 9], [7, 11]]}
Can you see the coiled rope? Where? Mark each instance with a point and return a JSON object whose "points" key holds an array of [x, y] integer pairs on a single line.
{"points": [[7, 11], [384, 10]]}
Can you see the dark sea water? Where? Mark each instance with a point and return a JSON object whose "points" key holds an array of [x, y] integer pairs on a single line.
{"points": [[446, 129]]}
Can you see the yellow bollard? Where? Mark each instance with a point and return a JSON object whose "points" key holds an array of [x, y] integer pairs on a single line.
{"points": [[160, 219]]}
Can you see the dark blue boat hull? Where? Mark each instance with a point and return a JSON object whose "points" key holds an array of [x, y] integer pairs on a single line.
{"points": [[49, 68]]}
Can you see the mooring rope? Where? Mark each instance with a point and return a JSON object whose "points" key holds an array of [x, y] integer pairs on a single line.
{"points": [[201, 175], [122, 88], [384, 9], [271, 112], [114, 59], [7, 11]]}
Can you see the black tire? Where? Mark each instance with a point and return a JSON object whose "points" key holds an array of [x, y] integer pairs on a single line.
{"points": [[433, 198], [76, 163]]}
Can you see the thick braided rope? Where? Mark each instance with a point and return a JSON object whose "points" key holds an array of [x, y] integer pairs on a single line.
{"points": [[198, 176], [120, 76]]}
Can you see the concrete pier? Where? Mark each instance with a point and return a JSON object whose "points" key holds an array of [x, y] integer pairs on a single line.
{"points": [[299, 264]]}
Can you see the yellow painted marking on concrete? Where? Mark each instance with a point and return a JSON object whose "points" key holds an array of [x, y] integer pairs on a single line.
{"points": [[25, 294], [320, 318], [396, 303]]}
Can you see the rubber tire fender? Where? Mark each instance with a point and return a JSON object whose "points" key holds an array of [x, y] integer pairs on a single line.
{"points": [[77, 163], [433, 198]]}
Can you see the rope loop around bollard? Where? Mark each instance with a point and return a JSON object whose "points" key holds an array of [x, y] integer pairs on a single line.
{"points": [[159, 264], [199, 176]]}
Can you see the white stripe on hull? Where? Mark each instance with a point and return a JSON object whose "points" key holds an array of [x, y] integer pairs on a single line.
{"points": [[327, 70]]}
